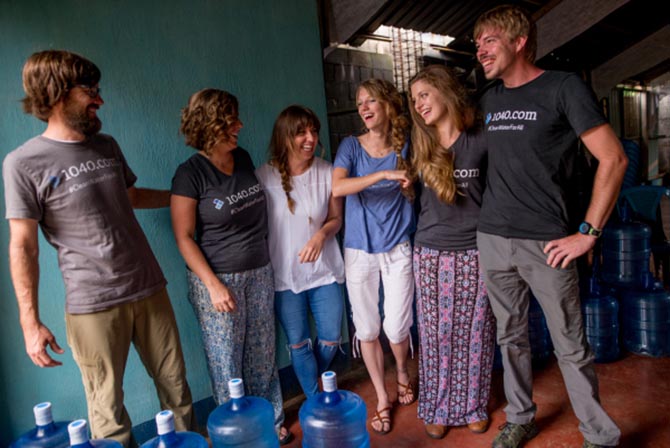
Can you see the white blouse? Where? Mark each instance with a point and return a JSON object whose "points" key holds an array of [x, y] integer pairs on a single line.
{"points": [[289, 232]]}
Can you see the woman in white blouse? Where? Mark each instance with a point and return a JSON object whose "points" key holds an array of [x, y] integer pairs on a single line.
{"points": [[303, 220]]}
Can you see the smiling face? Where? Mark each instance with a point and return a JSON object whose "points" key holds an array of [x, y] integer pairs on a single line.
{"points": [[371, 110], [428, 103], [229, 140], [303, 144], [80, 111], [497, 52]]}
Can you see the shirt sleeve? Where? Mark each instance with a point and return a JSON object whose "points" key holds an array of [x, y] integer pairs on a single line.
{"points": [[184, 182], [579, 104], [344, 156], [128, 175], [22, 199]]}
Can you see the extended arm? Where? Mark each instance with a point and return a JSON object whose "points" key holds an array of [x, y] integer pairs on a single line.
{"points": [[612, 162], [183, 210], [148, 198], [312, 250], [24, 267], [344, 185]]}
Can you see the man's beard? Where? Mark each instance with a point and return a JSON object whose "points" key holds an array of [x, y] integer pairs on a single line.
{"points": [[80, 121]]}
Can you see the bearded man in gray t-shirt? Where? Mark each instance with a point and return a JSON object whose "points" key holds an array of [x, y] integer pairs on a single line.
{"points": [[74, 184]]}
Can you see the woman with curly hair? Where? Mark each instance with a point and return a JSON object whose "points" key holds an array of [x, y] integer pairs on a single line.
{"points": [[220, 224], [456, 326], [372, 171], [304, 218]]}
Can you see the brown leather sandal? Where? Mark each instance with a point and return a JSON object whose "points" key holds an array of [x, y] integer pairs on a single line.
{"points": [[383, 419], [406, 390]]}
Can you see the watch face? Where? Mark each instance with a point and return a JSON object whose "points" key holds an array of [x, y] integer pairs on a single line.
{"points": [[584, 228]]}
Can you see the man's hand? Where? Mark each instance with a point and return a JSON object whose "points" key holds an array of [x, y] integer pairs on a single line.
{"points": [[37, 340], [564, 250]]}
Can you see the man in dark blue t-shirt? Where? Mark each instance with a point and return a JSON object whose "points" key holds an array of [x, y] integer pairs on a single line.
{"points": [[533, 120]]}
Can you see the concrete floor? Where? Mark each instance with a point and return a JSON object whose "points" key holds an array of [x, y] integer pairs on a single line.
{"points": [[634, 390]]}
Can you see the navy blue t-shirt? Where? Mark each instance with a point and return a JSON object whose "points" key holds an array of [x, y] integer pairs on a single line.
{"points": [[231, 219], [532, 133]]}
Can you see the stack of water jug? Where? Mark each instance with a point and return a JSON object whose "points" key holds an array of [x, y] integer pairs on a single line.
{"points": [[332, 419], [628, 291]]}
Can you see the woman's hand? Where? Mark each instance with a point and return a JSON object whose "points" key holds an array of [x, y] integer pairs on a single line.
{"points": [[310, 253], [222, 298], [400, 176]]}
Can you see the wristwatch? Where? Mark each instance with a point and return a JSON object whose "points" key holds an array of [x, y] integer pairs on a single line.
{"points": [[587, 229]]}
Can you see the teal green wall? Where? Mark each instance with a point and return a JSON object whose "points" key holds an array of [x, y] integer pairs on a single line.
{"points": [[153, 55]]}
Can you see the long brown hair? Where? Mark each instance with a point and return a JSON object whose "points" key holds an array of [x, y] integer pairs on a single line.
{"points": [[290, 122], [386, 93], [433, 162]]}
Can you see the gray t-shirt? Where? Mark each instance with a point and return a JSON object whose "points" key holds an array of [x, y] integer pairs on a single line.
{"points": [[231, 221], [444, 226], [532, 132], [77, 191]]}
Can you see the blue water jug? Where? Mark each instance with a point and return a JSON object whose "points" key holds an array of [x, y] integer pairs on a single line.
{"points": [[47, 433], [78, 430], [541, 347], [626, 248], [646, 321], [169, 438], [601, 323], [334, 418], [242, 422]]}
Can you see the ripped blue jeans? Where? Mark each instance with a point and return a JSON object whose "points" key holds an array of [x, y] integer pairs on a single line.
{"points": [[326, 304]]}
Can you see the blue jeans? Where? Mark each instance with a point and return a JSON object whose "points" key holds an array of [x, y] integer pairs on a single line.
{"points": [[326, 304]]}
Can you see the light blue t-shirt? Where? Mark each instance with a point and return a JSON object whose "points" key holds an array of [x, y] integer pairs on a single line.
{"points": [[379, 217]]}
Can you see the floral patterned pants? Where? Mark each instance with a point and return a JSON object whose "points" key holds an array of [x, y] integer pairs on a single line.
{"points": [[241, 344], [456, 337]]}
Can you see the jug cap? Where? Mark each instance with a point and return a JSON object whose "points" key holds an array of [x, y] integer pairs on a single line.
{"points": [[329, 380], [165, 422], [236, 388], [78, 431], [42, 413]]}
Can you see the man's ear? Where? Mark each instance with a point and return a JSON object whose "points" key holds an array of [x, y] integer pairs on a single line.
{"points": [[520, 43]]}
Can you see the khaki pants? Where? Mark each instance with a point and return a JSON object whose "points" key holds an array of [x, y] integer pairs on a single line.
{"points": [[100, 343]]}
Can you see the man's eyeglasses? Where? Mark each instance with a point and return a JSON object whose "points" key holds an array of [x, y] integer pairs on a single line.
{"points": [[93, 92]]}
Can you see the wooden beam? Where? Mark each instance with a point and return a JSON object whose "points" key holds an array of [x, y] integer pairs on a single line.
{"points": [[349, 16], [642, 56], [568, 19]]}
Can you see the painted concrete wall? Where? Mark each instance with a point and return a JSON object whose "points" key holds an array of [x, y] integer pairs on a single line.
{"points": [[153, 55]]}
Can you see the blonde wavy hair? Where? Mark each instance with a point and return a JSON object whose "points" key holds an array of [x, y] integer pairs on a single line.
{"points": [[289, 123], [386, 93], [433, 162], [514, 22], [207, 118]]}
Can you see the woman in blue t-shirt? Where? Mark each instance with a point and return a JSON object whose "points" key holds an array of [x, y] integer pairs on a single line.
{"points": [[456, 326], [221, 227], [372, 172]]}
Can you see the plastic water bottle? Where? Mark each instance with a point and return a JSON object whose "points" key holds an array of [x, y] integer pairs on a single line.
{"points": [[242, 422], [47, 433], [646, 321], [169, 438], [601, 322], [334, 418], [78, 430]]}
